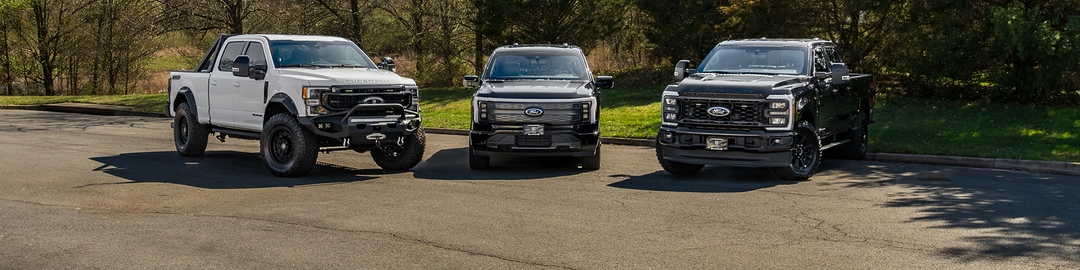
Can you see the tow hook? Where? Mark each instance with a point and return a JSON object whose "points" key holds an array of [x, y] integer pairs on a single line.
{"points": [[345, 142], [400, 141], [377, 137]]}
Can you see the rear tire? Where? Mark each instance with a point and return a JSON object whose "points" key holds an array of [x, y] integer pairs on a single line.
{"points": [[805, 154], [478, 162], [286, 148], [188, 134], [592, 163], [859, 136], [674, 167], [404, 157]]}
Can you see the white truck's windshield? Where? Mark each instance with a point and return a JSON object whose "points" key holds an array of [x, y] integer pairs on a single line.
{"points": [[756, 60], [537, 65], [319, 54]]}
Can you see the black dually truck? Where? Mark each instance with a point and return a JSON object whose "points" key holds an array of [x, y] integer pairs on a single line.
{"points": [[765, 103]]}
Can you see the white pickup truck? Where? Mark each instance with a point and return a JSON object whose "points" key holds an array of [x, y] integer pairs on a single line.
{"points": [[297, 95]]}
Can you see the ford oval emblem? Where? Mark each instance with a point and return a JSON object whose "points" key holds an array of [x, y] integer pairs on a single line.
{"points": [[719, 111], [534, 112], [373, 100]]}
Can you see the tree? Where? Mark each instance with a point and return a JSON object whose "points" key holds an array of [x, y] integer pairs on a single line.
{"points": [[51, 29], [684, 29]]}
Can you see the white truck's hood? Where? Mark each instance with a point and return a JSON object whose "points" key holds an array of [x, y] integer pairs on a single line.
{"points": [[344, 76]]}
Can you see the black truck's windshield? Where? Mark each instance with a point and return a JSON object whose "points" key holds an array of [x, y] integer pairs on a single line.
{"points": [[537, 65], [756, 60], [320, 54]]}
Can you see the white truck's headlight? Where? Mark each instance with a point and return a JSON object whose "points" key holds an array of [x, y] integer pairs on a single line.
{"points": [[313, 98]]}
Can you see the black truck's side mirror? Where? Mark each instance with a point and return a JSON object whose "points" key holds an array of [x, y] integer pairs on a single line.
{"points": [[683, 70], [240, 66], [822, 79], [471, 81], [605, 82], [387, 63]]}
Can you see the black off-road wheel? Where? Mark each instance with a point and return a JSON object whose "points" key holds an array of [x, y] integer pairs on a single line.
{"points": [[674, 167], [859, 136], [592, 163], [286, 148], [805, 154], [393, 157], [189, 135], [478, 162]]}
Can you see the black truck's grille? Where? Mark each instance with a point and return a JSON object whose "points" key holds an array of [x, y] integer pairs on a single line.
{"points": [[554, 113], [338, 101], [743, 113]]}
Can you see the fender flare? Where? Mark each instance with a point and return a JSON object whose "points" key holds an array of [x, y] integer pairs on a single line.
{"points": [[284, 100], [188, 98]]}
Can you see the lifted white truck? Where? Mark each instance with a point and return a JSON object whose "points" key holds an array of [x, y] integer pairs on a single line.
{"points": [[297, 95]]}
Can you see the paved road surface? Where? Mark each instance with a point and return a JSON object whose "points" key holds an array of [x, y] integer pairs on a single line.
{"points": [[82, 192]]}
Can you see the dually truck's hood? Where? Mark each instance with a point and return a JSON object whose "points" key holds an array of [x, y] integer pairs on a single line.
{"points": [[345, 76], [528, 89], [739, 84]]}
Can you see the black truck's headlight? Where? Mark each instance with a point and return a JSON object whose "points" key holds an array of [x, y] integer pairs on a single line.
{"points": [[778, 112], [482, 111]]}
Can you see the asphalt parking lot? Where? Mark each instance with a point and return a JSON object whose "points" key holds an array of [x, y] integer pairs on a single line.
{"points": [[110, 192]]}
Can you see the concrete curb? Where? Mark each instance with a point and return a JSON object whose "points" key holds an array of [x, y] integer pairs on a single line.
{"points": [[1054, 167]]}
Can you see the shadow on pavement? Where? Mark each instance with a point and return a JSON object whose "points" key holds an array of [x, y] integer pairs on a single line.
{"points": [[710, 179], [1020, 214], [218, 170], [453, 164]]}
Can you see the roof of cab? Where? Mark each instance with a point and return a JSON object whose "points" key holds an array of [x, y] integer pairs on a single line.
{"points": [[775, 42], [292, 37], [534, 47]]}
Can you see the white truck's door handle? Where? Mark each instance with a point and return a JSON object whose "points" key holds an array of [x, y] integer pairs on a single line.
{"points": [[213, 82], [236, 84]]}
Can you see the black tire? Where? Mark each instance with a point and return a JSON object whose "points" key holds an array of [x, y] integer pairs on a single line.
{"points": [[805, 154], [674, 167], [478, 162], [189, 135], [592, 163], [401, 158], [286, 148], [859, 136]]}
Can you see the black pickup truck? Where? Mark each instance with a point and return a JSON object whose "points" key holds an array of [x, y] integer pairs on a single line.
{"points": [[775, 103]]}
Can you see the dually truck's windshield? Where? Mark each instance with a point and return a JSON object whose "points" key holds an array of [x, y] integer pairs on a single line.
{"points": [[537, 65], [756, 60], [318, 54]]}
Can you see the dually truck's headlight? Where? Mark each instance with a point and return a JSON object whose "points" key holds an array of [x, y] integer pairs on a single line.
{"points": [[313, 99], [415, 93], [671, 109]]}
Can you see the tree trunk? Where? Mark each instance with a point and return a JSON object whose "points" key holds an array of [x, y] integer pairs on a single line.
{"points": [[356, 24], [44, 50]]}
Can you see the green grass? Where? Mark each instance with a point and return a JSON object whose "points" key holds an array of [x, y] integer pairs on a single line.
{"points": [[904, 125], [139, 102]]}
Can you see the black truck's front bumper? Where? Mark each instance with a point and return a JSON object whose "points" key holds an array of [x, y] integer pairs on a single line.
{"points": [[745, 148], [510, 140], [354, 129]]}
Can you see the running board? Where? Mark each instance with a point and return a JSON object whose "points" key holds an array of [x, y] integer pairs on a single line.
{"points": [[835, 144], [239, 134]]}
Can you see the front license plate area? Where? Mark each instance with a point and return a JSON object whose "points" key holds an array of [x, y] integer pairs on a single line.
{"points": [[533, 130], [716, 144]]}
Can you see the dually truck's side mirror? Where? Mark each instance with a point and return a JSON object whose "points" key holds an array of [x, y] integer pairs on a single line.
{"points": [[240, 66], [471, 81], [682, 70], [605, 82], [387, 63]]}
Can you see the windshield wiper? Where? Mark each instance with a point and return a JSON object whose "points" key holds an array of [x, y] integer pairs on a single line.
{"points": [[299, 65], [346, 66]]}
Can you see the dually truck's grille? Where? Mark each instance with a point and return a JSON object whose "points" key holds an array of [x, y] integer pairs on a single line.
{"points": [[743, 113], [554, 113], [337, 101]]}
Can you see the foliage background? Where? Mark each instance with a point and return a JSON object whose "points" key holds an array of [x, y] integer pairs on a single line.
{"points": [[973, 50]]}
